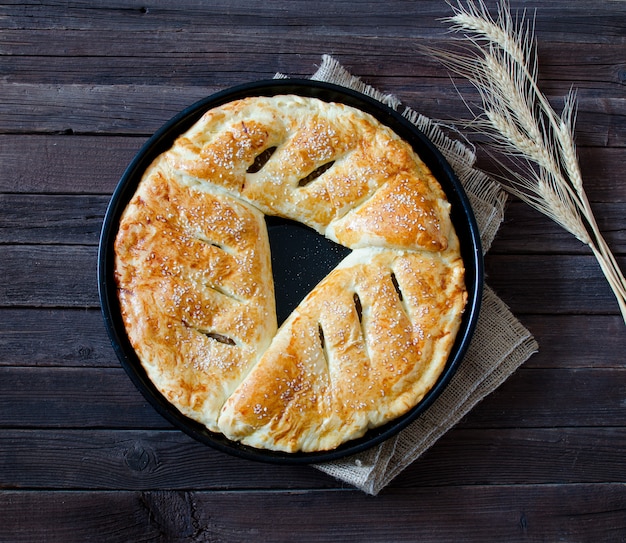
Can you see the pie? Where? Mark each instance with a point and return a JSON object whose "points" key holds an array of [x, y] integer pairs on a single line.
{"points": [[195, 284]]}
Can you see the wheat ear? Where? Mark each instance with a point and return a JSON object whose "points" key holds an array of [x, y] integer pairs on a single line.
{"points": [[500, 61]]}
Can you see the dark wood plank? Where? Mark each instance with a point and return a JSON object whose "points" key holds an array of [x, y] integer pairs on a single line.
{"points": [[35, 219], [137, 460], [93, 108], [556, 22], [149, 69], [48, 276], [584, 62], [134, 16], [64, 164], [600, 121], [549, 285], [519, 456], [140, 459], [77, 516], [290, 45], [55, 337], [553, 398], [105, 398], [526, 231], [477, 513], [587, 512], [73, 398], [577, 341], [600, 174], [140, 110]]}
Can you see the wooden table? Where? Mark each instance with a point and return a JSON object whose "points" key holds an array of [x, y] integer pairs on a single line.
{"points": [[83, 457]]}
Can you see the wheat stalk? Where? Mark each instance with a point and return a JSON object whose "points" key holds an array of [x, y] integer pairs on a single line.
{"points": [[500, 61]]}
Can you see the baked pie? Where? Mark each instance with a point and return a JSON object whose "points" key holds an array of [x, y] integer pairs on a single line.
{"points": [[195, 285]]}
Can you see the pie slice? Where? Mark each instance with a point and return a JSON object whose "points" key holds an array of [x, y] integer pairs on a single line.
{"points": [[361, 349], [195, 288]]}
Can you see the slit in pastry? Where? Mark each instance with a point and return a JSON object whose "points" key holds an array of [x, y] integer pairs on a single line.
{"points": [[198, 236], [228, 294], [261, 160], [358, 307], [220, 338], [396, 285], [317, 172], [323, 344]]}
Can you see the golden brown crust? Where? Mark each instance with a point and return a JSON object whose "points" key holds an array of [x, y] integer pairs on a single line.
{"points": [[372, 171], [360, 350], [196, 290]]}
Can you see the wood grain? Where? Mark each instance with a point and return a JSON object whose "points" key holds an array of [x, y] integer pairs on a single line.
{"points": [[584, 512], [162, 459], [141, 109], [73, 398], [55, 337], [71, 220], [48, 276], [65, 164]]}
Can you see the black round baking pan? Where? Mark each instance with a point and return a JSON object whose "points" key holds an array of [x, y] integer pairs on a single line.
{"points": [[297, 244]]}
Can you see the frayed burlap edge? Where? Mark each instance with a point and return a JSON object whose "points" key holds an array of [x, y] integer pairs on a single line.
{"points": [[500, 343]]}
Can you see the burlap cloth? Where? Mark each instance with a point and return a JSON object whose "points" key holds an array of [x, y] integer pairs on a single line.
{"points": [[500, 343]]}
